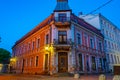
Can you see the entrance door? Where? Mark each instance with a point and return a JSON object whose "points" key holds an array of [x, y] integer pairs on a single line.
{"points": [[23, 65], [46, 61], [62, 62]]}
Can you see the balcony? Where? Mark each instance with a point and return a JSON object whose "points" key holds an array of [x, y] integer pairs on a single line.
{"points": [[90, 50], [64, 45], [62, 22]]}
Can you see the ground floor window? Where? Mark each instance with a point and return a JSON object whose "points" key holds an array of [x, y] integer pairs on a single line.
{"points": [[80, 62], [93, 63], [87, 62]]}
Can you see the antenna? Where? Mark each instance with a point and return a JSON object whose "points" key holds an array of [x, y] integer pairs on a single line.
{"points": [[99, 8]]}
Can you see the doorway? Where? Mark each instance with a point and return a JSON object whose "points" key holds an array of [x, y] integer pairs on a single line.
{"points": [[62, 62]]}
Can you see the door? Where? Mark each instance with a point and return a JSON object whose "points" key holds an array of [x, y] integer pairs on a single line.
{"points": [[62, 62], [23, 65], [46, 61]]}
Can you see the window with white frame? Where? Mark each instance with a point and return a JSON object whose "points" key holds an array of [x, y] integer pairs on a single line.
{"points": [[91, 43], [79, 39], [100, 45]]}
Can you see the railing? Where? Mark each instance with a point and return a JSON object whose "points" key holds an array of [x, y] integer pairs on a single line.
{"points": [[90, 50], [64, 19], [67, 42]]}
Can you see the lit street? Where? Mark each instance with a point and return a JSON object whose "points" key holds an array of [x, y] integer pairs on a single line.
{"points": [[41, 77]]}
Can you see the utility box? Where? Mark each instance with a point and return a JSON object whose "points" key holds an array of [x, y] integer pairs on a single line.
{"points": [[117, 69]]}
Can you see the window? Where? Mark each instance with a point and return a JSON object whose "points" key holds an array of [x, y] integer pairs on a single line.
{"points": [[47, 39], [115, 59], [93, 63], [112, 61], [78, 38], [62, 37], [118, 59], [80, 62], [91, 43], [36, 61], [28, 46], [31, 61], [38, 43], [108, 58], [100, 46], [33, 45], [85, 40], [62, 17]]}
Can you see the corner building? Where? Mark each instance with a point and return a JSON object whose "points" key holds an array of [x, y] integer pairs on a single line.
{"points": [[61, 43]]}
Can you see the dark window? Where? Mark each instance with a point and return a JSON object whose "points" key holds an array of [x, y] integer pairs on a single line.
{"points": [[78, 38], [46, 61], [37, 60], [100, 46], [93, 63], [62, 17], [62, 37], [80, 62], [91, 43], [47, 39]]}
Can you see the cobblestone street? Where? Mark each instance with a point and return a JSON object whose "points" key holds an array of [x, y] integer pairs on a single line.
{"points": [[41, 77]]}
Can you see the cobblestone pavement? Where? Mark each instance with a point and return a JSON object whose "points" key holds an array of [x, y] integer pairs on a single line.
{"points": [[40, 77]]}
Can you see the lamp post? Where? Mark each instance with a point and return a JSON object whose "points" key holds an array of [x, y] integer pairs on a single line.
{"points": [[12, 63]]}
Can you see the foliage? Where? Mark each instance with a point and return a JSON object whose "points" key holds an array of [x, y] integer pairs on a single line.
{"points": [[4, 56]]}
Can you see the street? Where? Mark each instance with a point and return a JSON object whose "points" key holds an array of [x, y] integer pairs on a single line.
{"points": [[41, 77]]}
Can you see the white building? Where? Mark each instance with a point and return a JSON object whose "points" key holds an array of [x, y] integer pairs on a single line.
{"points": [[111, 37]]}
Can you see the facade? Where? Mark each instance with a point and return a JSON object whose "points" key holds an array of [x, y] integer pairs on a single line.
{"points": [[111, 37], [61, 43]]}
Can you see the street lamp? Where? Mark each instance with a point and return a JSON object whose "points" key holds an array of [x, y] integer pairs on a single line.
{"points": [[12, 63], [49, 50]]}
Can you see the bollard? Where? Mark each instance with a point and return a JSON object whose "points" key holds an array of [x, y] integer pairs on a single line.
{"points": [[116, 77], [76, 76], [102, 77]]}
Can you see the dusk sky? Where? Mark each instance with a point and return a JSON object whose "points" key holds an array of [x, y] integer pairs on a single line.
{"points": [[18, 17]]}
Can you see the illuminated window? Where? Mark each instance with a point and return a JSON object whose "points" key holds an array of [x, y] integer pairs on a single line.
{"points": [[62, 37]]}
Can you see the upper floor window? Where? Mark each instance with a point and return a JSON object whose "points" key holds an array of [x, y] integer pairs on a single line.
{"points": [[85, 40], [33, 44], [91, 43], [47, 39], [78, 38], [38, 43], [62, 17], [100, 46], [62, 37]]}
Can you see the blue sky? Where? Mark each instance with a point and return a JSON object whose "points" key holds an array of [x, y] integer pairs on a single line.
{"points": [[18, 17]]}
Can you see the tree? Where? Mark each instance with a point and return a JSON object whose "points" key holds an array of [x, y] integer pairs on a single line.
{"points": [[4, 56]]}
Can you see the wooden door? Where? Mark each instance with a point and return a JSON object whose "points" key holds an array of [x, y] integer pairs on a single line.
{"points": [[46, 61], [62, 62]]}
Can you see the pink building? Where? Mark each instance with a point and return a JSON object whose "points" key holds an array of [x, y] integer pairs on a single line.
{"points": [[61, 43]]}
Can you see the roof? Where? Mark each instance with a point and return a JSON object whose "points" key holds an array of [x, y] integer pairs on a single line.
{"points": [[84, 24], [62, 6], [41, 25]]}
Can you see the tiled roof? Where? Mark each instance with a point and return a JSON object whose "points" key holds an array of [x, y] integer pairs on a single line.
{"points": [[62, 6]]}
